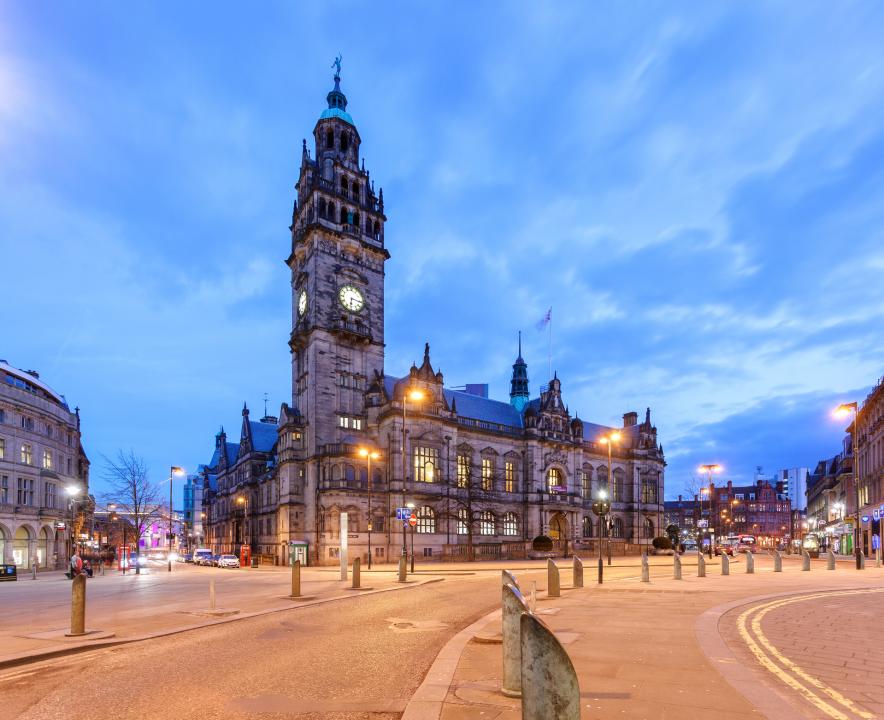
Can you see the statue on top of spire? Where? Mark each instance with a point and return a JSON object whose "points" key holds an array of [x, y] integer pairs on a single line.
{"points": [[337, 65]]}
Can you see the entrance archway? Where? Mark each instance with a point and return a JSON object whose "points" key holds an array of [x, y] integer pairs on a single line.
{"points": [[45, 547], [558, 527], [21, 551], [4, 539]]}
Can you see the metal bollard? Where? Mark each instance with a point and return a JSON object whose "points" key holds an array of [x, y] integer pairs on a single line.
{"points": [[578, 572], [646, 571], [750, 563], [725, 564], [805, 561], [296, 579], [701, 565], [777, 561], [676, 567], [211, 594], [356, 572], [507, 578], [601, 571], [830, 560], [78, 606], [549, 683], [402, 568], [513, 607], [553, 588]]}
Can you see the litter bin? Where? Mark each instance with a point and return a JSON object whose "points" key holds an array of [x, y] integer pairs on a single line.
{"points": [[254, 562], [9, 573]]}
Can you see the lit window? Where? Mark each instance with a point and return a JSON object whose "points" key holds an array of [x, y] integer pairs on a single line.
{"points": [[587, 526], [509, 476], [585, 483], [463, 471], [356, 423], [47, 460], [2, 448], [554, 481], [26, 454], [344, 422], [486, 523], [426, 520], [487, 473], [425, 461], [510, 524]]}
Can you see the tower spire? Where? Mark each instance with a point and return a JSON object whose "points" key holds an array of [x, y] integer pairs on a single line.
{"points": [[519, 393]]}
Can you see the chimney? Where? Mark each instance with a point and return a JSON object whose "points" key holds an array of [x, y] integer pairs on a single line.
{"points": [[630, 419]]}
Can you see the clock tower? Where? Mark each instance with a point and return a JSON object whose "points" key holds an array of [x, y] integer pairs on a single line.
{"points": [[337, 276]]}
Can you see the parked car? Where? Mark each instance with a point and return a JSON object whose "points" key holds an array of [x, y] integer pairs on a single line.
{"points": [[724, 549], [185, 558], [228, 561], [215, 560], [202, 556]]}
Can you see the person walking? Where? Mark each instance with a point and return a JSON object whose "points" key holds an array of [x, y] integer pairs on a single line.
{"points": [[76, 565]]}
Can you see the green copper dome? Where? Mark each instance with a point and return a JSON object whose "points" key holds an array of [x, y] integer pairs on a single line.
{"points": [[335, 112]]}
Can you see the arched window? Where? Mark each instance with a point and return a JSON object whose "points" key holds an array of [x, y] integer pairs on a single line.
{"points": [[554, 482], [586, 483], [336, 472], [322, 207], [331, 211], [486, 523], [349, 474], [329, 139], [649, 528], [426, 520], [587, 526], [345, 142], [344, 185], [356, 192], [619, 489], [377, 230], [363, 476], [617, 528], [343, 216], [510, 524]]}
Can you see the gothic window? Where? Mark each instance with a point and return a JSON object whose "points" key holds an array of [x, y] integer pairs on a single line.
{"points": [[462, 522], [587, 526], [343, 215], [426, 460], [649, 490], [619, 495], [487, 473], [554, 483], [329, 139], [463, 471], [426, 520], [510, 524], [585, 483], [509, 476], [345, 142], [617, 528], [486, 523], [349, 474], [602, 477]]}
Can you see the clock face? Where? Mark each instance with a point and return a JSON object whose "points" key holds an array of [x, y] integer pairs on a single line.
{"points": [[302, 303], [351, 298]]}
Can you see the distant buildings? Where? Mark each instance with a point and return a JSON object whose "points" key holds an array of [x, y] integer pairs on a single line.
{"points": [[193, 513], [44, 472], [795, 482]]}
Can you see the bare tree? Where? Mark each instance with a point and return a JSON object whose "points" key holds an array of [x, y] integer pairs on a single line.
{"points": [[134, 494], [467, 501]]}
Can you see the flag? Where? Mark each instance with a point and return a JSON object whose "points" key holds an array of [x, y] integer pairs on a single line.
{"points": [[545, 320]]}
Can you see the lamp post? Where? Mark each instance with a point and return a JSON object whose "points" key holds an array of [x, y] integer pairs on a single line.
{"points": [[173, 471], [244, 502], [410, 506], [416, 396], [369, 455], [709, 469], [600, 507], [843, 410], [609, 440], [72, 491]]}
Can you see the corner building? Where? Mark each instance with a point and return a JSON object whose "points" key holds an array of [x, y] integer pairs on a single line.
{"points": [[485, 477]]}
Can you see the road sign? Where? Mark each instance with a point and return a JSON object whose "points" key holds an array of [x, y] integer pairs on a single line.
{"points": [[403, 513], [412, 520]]}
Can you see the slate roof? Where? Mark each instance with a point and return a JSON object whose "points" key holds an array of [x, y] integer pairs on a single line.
{"points": [[263, 435], [232, 452], [480, 408]]}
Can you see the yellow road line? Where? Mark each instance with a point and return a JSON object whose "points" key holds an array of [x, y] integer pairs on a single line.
{"points": [[760, 611]]}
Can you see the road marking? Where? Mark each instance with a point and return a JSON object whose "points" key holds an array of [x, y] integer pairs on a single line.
{"points": [[765, 652]]}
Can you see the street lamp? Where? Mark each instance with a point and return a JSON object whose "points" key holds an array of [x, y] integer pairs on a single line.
{"points": [[410, 506], [369, 455], [609, 440], [416, 396], [600, 506], [244, 503], [173, 471], [72, 491], [843, 411], [709, 469]]}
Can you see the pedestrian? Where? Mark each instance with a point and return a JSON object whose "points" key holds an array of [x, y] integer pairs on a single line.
{"points": [[76, 565], [87, 568]]}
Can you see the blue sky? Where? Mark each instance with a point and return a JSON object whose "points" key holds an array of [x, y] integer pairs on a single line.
{"points": [[695, 189]]}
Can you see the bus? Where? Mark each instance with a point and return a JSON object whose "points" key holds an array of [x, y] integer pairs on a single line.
{"points": [[746, 543]]}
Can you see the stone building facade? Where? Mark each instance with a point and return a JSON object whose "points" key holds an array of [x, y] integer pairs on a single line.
{"points": [[869, 452], [41, 459], [484, 477]]}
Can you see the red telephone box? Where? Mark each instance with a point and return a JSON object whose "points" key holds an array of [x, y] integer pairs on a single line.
{"points": [[123, 559], [245, 556]]}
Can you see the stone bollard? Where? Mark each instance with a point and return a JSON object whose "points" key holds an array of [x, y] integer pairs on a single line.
{"points": [[296, 578], [805, 561], [78, 606], [725, 564], [507, 578], [830, 560], [777, 561], [211, 594], [34, 571], [862, 560], [553, 588], [701, 565], [513, 607], [578, 572], [549, 683], [646, 571], [878, 556], [402, 568], [676, 567], [750, 563], [357, 569]]}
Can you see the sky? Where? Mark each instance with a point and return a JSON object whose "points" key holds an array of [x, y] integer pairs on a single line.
{"points": [[695, 189]]}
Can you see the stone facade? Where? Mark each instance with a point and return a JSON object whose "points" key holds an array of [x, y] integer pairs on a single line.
{"points": [[869, 445], [484, 477], [41, 457]]}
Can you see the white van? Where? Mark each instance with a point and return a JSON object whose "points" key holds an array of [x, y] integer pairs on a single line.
{"points": [[202, 556]]}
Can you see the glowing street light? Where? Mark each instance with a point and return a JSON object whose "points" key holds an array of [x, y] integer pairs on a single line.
{"points": [[369, 455], [709, 469], [415, 395], [609, 440]]}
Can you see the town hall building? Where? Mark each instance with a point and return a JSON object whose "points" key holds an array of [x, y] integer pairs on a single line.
{"points": [[482, 477]]}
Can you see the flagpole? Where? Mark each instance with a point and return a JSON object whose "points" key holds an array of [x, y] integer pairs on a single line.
{"points": [[549, 348]]}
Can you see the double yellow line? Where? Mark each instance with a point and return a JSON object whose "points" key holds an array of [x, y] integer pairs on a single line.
{"points": [[823, 697]]}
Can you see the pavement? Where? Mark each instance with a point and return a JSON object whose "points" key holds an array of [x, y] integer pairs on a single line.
{"points": [[778, 645]]}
